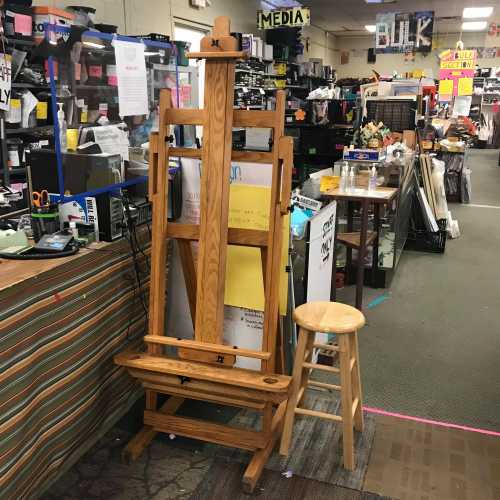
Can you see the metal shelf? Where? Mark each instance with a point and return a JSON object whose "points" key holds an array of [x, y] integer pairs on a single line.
{"points": [[15, 41], [14, 171], [29, 130], [29, 86], [95, 87]]}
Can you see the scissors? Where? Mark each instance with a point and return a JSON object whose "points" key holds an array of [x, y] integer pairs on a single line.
{"points": [[40, 199]]}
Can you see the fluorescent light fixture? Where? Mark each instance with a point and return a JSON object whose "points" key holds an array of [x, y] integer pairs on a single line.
{"points": [[146, 53], [474, 25], [93, 45], [477, 12], [371, 28]]}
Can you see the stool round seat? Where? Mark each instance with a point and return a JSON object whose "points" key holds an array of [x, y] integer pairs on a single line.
{"points": [[329, 317]]}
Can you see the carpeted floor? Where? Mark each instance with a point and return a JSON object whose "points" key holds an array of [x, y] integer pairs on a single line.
{"points": [[415, 461], [223, 481], [316, 449], [432, 348]]}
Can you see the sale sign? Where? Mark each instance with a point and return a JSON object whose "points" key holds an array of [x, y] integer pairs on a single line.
{"points": [[456, 73]]}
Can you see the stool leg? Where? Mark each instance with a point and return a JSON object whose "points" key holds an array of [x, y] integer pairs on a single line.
{"points": [[286, 437], [346, 394], [306, 372], [356, 383]]}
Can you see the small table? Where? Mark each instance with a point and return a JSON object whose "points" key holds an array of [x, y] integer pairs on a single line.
{"points": [[360, 241]]}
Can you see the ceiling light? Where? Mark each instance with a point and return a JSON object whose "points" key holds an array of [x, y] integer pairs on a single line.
{"points": [[94, 45], [371, 28], [477, 12], [474, 25]]}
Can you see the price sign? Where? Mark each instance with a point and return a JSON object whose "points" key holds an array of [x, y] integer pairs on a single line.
{"points": [[5, 81]]}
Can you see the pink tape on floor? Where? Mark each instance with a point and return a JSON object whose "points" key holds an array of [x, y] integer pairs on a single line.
{"points": [[421, 420]]}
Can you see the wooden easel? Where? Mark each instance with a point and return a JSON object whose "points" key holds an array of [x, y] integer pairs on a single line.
{"points": [[204, 367]]}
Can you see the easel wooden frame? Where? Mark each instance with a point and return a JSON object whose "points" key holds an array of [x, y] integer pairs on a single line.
{"points": [[204, 370]]}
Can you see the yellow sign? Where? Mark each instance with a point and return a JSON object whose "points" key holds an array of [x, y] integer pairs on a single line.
{"points": [[297, 16], [249, 209], [465, 86], [446, 87], [459, 64], [328, 183]]}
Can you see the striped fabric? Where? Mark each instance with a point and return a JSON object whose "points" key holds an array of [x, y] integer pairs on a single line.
{"points": [[59, 387]]}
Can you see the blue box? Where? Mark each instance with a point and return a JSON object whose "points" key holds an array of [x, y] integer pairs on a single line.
{"points": [[373, 155]]}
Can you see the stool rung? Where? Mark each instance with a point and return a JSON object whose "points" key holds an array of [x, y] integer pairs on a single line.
{"points": [[332, 387], [324, 368], [355, 404], [327, 347], [353, 362], [319, 414]]}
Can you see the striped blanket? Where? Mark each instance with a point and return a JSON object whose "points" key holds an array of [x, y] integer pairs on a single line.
{"points": [[59, 387]]}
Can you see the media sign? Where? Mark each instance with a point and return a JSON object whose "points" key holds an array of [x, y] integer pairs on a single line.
{"points": [[297, 16]]}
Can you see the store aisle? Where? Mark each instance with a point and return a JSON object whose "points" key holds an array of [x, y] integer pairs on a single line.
{"points": [[433, 348]]}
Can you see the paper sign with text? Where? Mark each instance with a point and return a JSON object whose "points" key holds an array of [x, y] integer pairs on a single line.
{"points": [[5, 81]]}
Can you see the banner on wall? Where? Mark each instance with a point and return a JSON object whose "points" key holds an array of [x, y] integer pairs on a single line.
{"points": [[493, 35], [456, 73], [403, 32], [296, 16]]}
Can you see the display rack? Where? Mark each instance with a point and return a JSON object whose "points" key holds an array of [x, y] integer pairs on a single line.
{"points": [[61, 76]]}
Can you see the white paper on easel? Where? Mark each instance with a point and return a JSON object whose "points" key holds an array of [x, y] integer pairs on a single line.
{"points": [[132, 78]]}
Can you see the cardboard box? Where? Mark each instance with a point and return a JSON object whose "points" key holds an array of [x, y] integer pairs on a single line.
{"points": [[50, 15], [410, 138]]}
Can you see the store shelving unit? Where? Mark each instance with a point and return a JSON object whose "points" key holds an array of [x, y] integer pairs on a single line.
{"points": [[101, 93]]}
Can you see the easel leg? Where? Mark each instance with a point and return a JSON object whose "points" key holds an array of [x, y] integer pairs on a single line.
{"points": [[256, 465], [141, 440]]}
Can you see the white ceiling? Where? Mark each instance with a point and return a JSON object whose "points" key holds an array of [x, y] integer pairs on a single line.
{"points": [[348, 17]]}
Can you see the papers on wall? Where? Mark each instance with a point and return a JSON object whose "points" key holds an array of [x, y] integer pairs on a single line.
{"points": [[132, 78], [461, 106], [5, 81]]}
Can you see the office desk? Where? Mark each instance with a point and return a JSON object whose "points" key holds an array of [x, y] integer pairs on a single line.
{"points": [[362, 239]]}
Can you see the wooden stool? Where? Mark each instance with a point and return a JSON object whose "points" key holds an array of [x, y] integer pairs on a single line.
{"points": [[344, 321]]}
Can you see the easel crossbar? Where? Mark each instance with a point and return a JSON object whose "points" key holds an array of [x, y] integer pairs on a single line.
{"points": [[236, 236]]}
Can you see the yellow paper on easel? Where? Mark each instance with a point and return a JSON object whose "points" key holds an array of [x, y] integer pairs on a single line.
{"points": [[249, 209]]}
